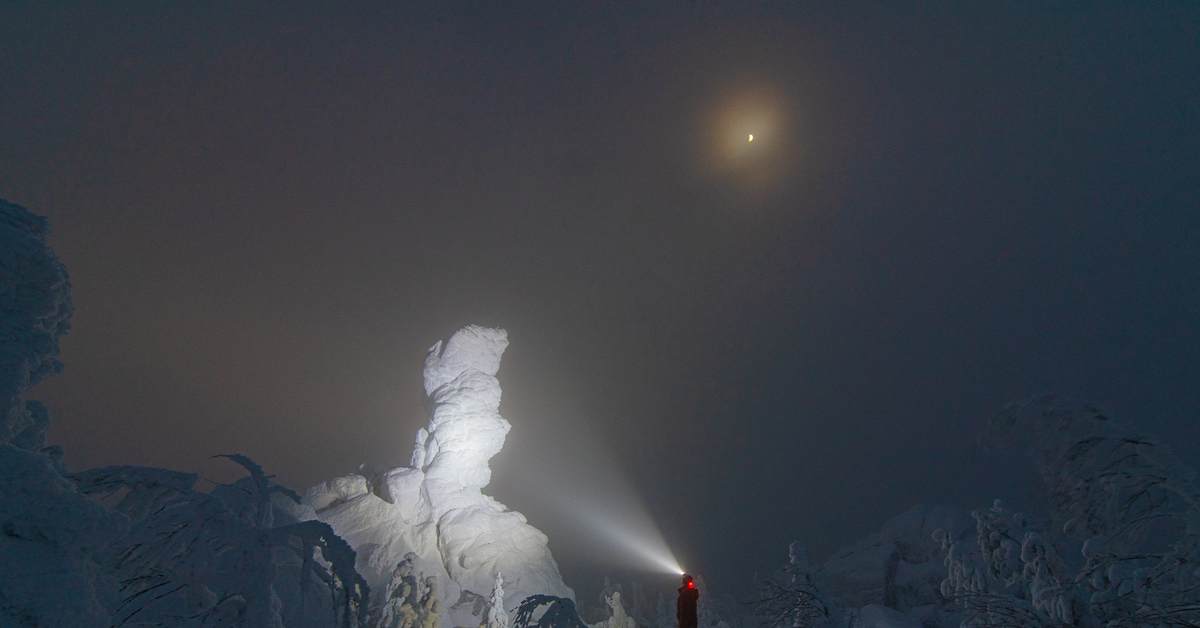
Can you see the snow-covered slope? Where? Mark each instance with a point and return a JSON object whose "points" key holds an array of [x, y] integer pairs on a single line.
{"points": [[435, 507]]}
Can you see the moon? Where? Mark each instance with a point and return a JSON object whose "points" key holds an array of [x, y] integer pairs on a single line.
{"points": [[751, 138]]}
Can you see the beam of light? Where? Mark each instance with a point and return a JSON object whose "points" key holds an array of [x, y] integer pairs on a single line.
{"points": [[585, 487], [631, 529]]}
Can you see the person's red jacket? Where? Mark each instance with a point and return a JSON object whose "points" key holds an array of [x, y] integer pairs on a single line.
{"points": [[685, 606]]}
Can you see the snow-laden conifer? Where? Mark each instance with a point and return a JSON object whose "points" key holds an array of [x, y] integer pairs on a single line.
{"points": [[497, 616], [189, 559], [48, 531], [1121, 547], [794, 597]]}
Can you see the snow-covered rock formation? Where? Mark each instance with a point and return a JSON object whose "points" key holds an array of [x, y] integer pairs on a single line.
{"points": [[435, 508]]}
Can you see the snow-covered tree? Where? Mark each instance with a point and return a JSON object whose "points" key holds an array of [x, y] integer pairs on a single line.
{"points": [[165, 554], [664, 613], [429, 606], [48, 531], [1122, 546], [1008, 575], [560, 613], [639, 606], [617, 618], [708, 611], [189, 559], [794, 597], [35, 310], [409, 601], [49, 534], [497, 616], [400, 598]]}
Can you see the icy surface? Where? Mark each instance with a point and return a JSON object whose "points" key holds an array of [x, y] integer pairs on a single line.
{"points": [[435, 508]]}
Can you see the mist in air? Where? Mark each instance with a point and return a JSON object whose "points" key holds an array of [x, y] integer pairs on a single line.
{"points": [[772, 274], [598, 522]]}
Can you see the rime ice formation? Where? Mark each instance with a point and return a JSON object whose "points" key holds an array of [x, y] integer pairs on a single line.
{"points": [[617, 618], [35, 307], [466, 429], [435, 507], [50, 531]]}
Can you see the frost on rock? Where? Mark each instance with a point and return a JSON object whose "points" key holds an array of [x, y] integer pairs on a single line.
{"points": [[435, 509]]}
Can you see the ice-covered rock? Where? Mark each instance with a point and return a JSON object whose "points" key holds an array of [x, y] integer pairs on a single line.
{"points": [[435, 508]]}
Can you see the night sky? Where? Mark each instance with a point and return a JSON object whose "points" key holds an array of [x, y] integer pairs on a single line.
{"points": [[270, 211]]}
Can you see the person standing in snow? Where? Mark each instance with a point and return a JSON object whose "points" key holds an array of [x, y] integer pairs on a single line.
{"points": [[685, 606]]}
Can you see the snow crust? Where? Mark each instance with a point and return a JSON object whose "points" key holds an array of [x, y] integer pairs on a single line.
{"points": [[435, 508]]}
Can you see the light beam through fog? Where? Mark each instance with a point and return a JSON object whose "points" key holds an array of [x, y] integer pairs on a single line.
{"points": [[584, 486], [626, 524]]}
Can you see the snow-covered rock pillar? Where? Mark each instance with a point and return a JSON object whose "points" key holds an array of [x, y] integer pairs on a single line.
{"points": [[435, 507], [465, 429]]}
